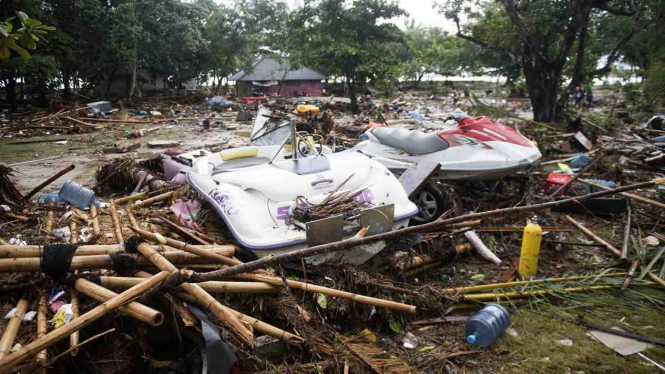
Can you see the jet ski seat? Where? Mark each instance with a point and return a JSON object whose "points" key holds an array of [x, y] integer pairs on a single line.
{"points": [[413, 142]]}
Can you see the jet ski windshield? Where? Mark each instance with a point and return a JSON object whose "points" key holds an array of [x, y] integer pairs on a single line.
{"points": [[304, 166]]}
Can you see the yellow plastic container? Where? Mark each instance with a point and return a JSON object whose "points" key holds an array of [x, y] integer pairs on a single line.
{"points": [[312, 110], [533, 234]]}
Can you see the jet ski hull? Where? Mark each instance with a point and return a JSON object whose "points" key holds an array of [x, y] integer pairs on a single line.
{"points": [[256, 201], [477, 149]]}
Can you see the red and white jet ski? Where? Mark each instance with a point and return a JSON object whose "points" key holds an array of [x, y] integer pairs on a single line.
{"points": [[472, 149]]}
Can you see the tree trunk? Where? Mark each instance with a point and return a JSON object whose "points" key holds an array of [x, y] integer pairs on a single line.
{"points": [[543, 83], [132, 84], [109, 83], [42, 100], [420, 77], [66, 78], [352, 95], [10, 88]]}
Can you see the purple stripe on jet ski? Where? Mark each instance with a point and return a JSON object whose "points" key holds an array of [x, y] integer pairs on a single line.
{"points": [[220, 211]]}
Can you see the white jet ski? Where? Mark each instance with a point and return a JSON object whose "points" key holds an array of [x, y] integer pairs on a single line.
{"points": [[255, 189], [472, 149]]}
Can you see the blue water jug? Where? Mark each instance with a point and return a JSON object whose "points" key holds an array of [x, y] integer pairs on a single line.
{"points": [[76, 194], [487, 325]]}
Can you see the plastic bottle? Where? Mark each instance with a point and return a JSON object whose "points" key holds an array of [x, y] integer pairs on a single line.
{"points": [[487, 325], [76, 194], [45, 198], [531, 238]]}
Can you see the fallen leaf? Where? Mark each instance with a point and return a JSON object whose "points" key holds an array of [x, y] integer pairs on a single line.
{"points": [[478, 277], [322, 301], [395, 327], [652, 241], [368, 335]]}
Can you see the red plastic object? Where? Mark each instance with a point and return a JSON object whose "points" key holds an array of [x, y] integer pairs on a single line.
{"points": [[376, 124], [254, 100], [554, 181]]}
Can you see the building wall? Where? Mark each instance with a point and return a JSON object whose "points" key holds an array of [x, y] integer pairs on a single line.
{"points": [[310, 88]]}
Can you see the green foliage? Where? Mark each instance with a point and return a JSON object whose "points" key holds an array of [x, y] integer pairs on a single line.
{"points": [[236, 34], [557, 44], [433, 50], [350, 40], [20, 40]]}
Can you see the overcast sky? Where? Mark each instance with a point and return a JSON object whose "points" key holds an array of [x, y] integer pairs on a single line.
{"points": [[420, 10]]}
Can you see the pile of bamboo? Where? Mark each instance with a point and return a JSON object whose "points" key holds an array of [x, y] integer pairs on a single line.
{"points": [[156, 263], [160, 260]]}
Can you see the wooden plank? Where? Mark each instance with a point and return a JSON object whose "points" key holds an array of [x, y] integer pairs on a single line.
{"points": [[415, 177]]}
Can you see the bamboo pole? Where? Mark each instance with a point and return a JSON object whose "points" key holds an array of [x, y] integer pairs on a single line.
{"points": [[122, 283], [74, 337], [628, 195], [133, 309], [41, 329], [94, 213], [276, 281], [64, 331], [17, 217], [432, 265], [593, 236], [201, 235], [18, 265], [656, 279], [73, 234], [184, 246], [9, 335], [48, 223], [521, 295], [304, 314], [630, 275], [116, 223], [615, 251], [259, 326], [48, 181], [126, 199], [626, 232], [76, 347], [153, 200], [23, 251], [81, 122], [494, 286], [204, 298], [291, 283], [182, 230]]}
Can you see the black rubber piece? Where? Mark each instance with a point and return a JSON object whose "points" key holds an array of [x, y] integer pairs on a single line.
{"points": [[56, 260]]}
